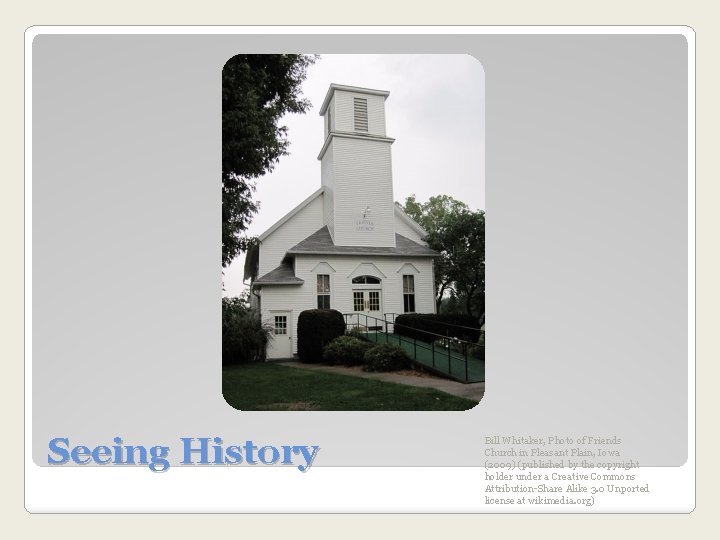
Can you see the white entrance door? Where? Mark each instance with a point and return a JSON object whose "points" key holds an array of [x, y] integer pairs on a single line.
{"points": [[368, 302], [280, 345]]}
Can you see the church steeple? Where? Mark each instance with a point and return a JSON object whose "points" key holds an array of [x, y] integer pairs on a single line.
{"points": [[356, 167]]}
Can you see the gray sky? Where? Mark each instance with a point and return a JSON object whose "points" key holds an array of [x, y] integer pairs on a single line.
{"points": [[435, 113]]}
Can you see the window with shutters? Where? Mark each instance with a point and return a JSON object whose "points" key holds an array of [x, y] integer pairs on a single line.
{"points": [[361, 114]]}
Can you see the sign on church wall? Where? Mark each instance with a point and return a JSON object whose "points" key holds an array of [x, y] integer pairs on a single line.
{"points": [[364, 221]]}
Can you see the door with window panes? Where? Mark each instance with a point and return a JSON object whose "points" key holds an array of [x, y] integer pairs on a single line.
{"points": [[280, 345], [367, 299]]}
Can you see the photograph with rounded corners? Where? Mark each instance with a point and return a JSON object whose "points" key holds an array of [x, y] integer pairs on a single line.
{"points": [[353, 232]]}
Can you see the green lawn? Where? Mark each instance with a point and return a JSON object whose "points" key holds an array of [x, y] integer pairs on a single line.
{"points": [[271, 387]]}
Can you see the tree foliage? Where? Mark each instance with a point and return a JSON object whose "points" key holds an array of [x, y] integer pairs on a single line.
{"points": [[461, 243], [257, 90], [458, 234], [244, 335], [431, 215]]}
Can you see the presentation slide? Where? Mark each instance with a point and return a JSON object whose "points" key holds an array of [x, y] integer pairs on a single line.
{"points": [[360, 269]]}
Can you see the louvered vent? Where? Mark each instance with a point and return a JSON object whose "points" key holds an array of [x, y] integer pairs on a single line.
{"points": [[361, 117]]}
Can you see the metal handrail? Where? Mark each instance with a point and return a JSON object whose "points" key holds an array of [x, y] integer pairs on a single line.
{"points": [[423, 345], [441, 336], [385, 323], [477, 329]]}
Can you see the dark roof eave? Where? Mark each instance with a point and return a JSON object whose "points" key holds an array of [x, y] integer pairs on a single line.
{"points": [[297, 282], [321, 243]]}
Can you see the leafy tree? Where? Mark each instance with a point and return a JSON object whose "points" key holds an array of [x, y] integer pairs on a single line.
{"points": [[257, 90], [458, 234], [461, 243], [430, 215]]}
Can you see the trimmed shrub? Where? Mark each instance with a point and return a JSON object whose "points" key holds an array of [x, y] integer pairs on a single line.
{"points": [[346, 350], [386, 357], [244, 336], [422, 326], [478, 350], [316, 328]]}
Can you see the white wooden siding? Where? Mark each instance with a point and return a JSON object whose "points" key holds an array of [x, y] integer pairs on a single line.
{"points": [[300, 226], [327, 179], [304, 297], [344, 112], [363, 177], [329, 126]]}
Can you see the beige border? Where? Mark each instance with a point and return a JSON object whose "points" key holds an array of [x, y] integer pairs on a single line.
{"points": [[701, 16]]}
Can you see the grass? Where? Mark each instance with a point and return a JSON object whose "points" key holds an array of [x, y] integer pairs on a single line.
{"points": [[271, 387]]}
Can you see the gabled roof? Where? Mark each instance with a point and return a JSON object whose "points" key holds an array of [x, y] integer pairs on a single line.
{"points": [[414, 225], [321, 243], [282, 275], [291, 213]]}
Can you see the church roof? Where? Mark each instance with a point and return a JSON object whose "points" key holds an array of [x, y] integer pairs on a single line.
{"points": [[282, 275], [291, 213], [321, 243]]}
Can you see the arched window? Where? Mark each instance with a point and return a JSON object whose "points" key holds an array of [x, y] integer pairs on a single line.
{"points": [[366, 279]]}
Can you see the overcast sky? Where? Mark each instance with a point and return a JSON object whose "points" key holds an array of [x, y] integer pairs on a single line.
{"points": [[435, 113]]}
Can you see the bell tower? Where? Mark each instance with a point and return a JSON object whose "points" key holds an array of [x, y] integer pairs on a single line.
{"points": [[356, 168]]}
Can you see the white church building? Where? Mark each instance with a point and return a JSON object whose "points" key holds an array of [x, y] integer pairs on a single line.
{"points": [[347, 246]]}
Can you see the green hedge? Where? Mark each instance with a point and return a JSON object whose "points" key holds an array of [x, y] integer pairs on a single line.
{"points": [[346, 350], [422, 326], [386, 357], [316, 328]]}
